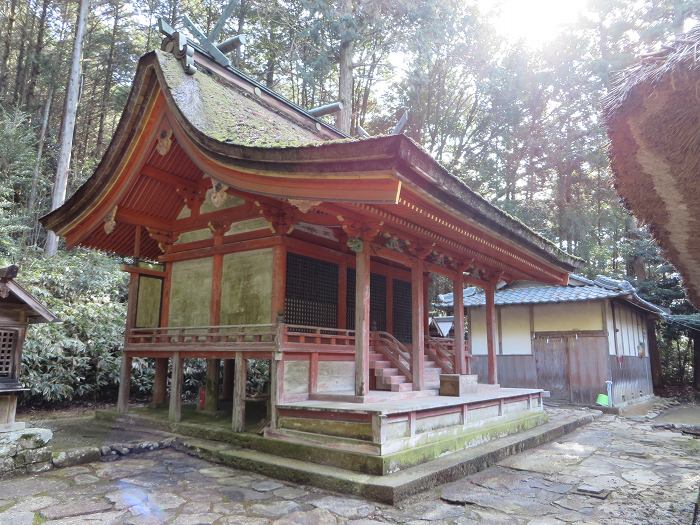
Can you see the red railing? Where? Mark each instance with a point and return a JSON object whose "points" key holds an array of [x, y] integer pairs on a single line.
{"points": [[394, 351], [442, 351]]}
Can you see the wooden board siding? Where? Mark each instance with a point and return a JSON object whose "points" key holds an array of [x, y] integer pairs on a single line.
{"points": [[552, 364], [588, 368], [631, 377], [514, 371]]}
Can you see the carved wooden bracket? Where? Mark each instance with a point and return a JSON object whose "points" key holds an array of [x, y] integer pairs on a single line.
{"points": [[165, 141], [363, 231], [163, 238], [192, 198], [218, 193], [281, 218], [303, 206], [421, 251], [110, 221], [219, 228]]}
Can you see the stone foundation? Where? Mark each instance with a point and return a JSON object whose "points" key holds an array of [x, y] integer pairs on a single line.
{"points": [[25, 451]]}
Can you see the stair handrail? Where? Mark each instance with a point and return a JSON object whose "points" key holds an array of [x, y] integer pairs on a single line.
{"points": [[442, 351], [395, 351]]}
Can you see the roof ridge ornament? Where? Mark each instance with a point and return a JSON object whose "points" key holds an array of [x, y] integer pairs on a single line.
{"points": [[216, 51]]}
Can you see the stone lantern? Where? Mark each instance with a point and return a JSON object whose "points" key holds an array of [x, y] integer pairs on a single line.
{"points": [[17, 309]]}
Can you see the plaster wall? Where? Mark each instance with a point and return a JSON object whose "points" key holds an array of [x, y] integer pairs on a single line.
{"points": [[515, 330], [190, 293], [477, 331], [296, 377], [148, 302], [568, 317], [246, 287], [336, 376]]}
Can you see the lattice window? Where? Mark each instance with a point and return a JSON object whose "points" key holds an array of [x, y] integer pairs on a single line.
{"points": [[377, 301], [311, 292], [8, 341], [402, 311]]}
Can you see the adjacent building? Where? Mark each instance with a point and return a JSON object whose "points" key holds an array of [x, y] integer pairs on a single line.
{"points": [[568, 339]]}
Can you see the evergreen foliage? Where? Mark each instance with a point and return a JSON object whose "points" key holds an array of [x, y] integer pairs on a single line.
{"points": [[519, 124]]}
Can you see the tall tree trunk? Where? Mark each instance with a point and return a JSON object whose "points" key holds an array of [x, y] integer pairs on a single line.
{"points": [[343, 120], [31, 203], [36, 54], [108, 82], [58, 195], [6, 47], [21, 62], [696, 359]]}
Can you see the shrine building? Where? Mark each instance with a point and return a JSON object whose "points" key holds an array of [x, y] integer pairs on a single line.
{"points": [[260, 232]]}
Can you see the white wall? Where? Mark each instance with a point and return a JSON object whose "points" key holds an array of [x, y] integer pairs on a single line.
{"points": [[477, 331], [568, 317], [515, 330]]}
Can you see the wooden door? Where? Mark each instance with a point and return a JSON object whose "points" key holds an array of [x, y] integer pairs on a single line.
{"points": [[552, 363]]}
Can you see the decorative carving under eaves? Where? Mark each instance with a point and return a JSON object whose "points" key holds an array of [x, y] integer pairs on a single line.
{"points": [[178, 46], [110, 221], [163, 238], [304, 206], [192, 198], [218, 193], [365, 231], [165, 141], [281, 218]]}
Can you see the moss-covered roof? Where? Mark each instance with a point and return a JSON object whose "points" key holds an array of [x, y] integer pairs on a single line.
{"points": [[227, 113]]}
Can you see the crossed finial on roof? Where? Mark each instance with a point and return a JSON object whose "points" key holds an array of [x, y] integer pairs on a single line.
{"points": [[217, 51]]}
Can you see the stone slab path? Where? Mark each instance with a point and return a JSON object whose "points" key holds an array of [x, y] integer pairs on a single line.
{"points": [[612, 471]]}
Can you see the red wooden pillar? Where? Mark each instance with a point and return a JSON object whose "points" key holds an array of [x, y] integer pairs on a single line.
{"points": [[490, 293], [418, 324], [342, 294], [362, 327], [458, 316], [279, 281], [426, 304], [125, 372], [213, 365]]}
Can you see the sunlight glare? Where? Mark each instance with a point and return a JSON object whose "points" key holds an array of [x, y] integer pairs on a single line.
{"points": [[535, 22]]}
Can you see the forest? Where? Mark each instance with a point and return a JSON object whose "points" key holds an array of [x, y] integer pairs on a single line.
{"points": [[514, 112]]}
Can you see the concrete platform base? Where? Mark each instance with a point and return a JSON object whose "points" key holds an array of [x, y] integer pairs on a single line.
{"points": [[390, 488]]}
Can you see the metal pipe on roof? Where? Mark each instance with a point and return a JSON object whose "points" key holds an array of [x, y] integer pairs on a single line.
{"points": [[326, 109]]}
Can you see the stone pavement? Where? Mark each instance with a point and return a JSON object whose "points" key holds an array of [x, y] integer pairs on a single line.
{"points": [[613, 471]]}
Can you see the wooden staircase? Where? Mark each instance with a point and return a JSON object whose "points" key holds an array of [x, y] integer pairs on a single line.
{"points": [[389, 362]]}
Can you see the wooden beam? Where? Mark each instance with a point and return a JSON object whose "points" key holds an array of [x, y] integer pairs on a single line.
{"points": [[160, 382], [169, 178], [132, 301], [211, 399], [458, 316], [417, 325], [362, 320], [176, 379], [124, 384], [239, 384], [139, 218], [490, 312]]}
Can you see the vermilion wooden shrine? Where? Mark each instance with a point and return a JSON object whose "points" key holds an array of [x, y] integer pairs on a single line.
{"points": [[263, 233]]}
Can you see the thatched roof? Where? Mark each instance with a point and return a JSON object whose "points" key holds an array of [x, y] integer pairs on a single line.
{"points": [[653, 121]]}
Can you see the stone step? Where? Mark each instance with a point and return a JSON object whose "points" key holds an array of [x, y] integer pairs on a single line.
{"points": [[382, 364], [385, 372], [394, 380]]}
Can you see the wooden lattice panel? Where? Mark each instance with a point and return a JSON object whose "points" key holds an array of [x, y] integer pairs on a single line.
{"points": [[311, 292], [377, 301], [8, 341], [402, 310]]}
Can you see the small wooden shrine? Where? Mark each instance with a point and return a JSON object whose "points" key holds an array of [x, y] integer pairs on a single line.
{"points": [[264, 233], [17, 310]]}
